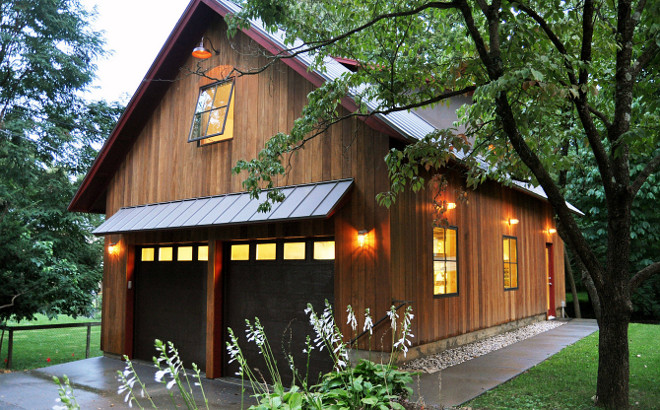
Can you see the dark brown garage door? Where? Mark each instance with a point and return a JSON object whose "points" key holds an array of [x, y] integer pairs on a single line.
{"points": [[274, 281], [170, 301]]}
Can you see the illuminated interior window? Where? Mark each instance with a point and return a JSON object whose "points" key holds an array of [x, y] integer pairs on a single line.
{"points": [[294, 250], [266, 251], [214, 114], [165, 254], [240, 252], [324, 250], [445, 261], [147, 255], [184, 253], [202, 253], [510, 256]]}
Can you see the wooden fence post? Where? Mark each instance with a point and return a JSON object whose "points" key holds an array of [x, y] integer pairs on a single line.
{"points": [[89, 336], [10, 348]]}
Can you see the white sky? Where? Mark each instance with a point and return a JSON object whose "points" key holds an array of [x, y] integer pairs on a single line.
{"points": [[135, 31]]}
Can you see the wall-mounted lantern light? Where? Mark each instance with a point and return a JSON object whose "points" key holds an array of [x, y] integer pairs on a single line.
{"points": [[451, 205], [513, 221], [202, 52], [552, 231], [362, 237], [113, 248]]}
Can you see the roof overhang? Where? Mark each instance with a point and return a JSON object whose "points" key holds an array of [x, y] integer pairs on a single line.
{"points": [[306, 201]]}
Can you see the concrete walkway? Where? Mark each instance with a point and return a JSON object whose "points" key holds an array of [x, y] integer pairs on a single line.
{"points": [[457, 384], [95, 381]]}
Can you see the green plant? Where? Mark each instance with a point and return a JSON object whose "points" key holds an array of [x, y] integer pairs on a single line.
{"points": [[67, 397]]}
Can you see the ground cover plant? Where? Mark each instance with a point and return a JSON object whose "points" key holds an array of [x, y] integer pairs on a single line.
{"points": [[568, 379], [41, 348]]}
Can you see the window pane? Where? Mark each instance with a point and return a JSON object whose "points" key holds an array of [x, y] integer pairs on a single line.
{"points": [[202, 253], [439, 243], [294, 250], [514, 275], [204, 123], [512, 250], [506, 250], [439, 278], [196, 131], [217, 122], [240, 252], [147, 255], [266, 251], [507, 275], [204, 103], [184, 253], [222, 95], [165, 254], [324, 250], [451, 277], [450, 243]]}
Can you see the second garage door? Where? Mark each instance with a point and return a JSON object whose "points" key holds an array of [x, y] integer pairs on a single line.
{"points": [[274, 281]]}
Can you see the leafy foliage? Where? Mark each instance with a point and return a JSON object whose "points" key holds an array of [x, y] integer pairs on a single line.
{"points": [[49, 137]]}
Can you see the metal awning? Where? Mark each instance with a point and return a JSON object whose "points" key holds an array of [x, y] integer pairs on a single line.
{"points": [[306, 201]]}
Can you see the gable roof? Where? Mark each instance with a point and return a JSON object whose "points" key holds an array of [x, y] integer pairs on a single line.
{"points": [[90, 197]]}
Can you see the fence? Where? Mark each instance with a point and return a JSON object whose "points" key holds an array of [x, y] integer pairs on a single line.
{"points": [[12, 329]]}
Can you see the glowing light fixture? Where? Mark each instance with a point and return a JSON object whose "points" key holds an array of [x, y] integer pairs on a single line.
{"points": [[552, 230], [513, 221], [451, 205], [362, 237], [113, 248], [202, 52]]}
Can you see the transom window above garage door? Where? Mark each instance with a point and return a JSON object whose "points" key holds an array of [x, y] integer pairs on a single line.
{"points": [[171, 253], [283, 250]]}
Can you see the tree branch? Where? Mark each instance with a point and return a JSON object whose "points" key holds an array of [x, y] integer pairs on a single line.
{"points": [[552, 36], [644, 274], [600, 115], [644, 59], [650, 168], [12, 302]]}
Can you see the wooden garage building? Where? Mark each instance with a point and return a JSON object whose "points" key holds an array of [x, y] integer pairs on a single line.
{"points": [[188, 255]]}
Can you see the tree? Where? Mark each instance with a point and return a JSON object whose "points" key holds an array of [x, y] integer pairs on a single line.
{"points": [[49, 134], [543, 77]]}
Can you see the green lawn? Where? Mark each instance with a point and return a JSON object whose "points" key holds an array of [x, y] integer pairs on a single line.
{"points": [[582, 297], [34, 348], [568, 379]]}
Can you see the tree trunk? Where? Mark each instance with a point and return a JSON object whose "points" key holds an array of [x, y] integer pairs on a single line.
{"points": [[571, 281], [613, 358]]}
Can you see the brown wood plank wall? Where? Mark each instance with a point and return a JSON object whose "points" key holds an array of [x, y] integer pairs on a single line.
{"points": [[482, 221]]}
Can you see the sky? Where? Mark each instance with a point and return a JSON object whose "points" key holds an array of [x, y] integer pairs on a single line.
{"points": [[135, 31]]}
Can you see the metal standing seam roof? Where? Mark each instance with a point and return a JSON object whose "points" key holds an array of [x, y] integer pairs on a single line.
{"points": [[306, 201]]}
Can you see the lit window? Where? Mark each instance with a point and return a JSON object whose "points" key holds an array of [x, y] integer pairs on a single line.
{"points": [[214, 114], [147, 255], [184, 253], [266, 251], [240, 252], [324, 250], [203, 253], [445, 261], [294, 250], [165, 254], [510, 254]]}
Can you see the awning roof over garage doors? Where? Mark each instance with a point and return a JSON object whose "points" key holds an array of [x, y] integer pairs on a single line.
{"points": [[317, 200]]}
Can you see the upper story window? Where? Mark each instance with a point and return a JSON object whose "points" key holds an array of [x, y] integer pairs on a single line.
{"points": [[445, 261], [214, 114], [510, 254]]}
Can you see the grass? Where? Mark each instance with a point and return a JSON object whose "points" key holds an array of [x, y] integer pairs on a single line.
{"points": [[583, 297], [568, 379], [41, 348]]}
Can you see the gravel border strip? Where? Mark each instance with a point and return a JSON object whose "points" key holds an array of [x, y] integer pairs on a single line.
{"points": [[458, 355]]}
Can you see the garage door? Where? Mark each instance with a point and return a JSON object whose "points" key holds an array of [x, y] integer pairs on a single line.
{"points": [[274, 281], [170, 301]]}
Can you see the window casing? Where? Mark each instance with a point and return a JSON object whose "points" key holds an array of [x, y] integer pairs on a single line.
{"points": [[445, 261], [213, 120], [510, 256]]}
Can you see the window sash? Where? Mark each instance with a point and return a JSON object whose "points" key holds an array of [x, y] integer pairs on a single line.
{"points": [[510, 262], [445, 261], [204, 113]]}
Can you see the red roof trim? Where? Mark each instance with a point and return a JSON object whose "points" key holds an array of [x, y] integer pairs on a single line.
{"points": [[120, 141]]}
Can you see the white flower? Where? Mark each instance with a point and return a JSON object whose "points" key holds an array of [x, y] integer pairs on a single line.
{"points": [[368, 323], [352, 320], [393, 317]]}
